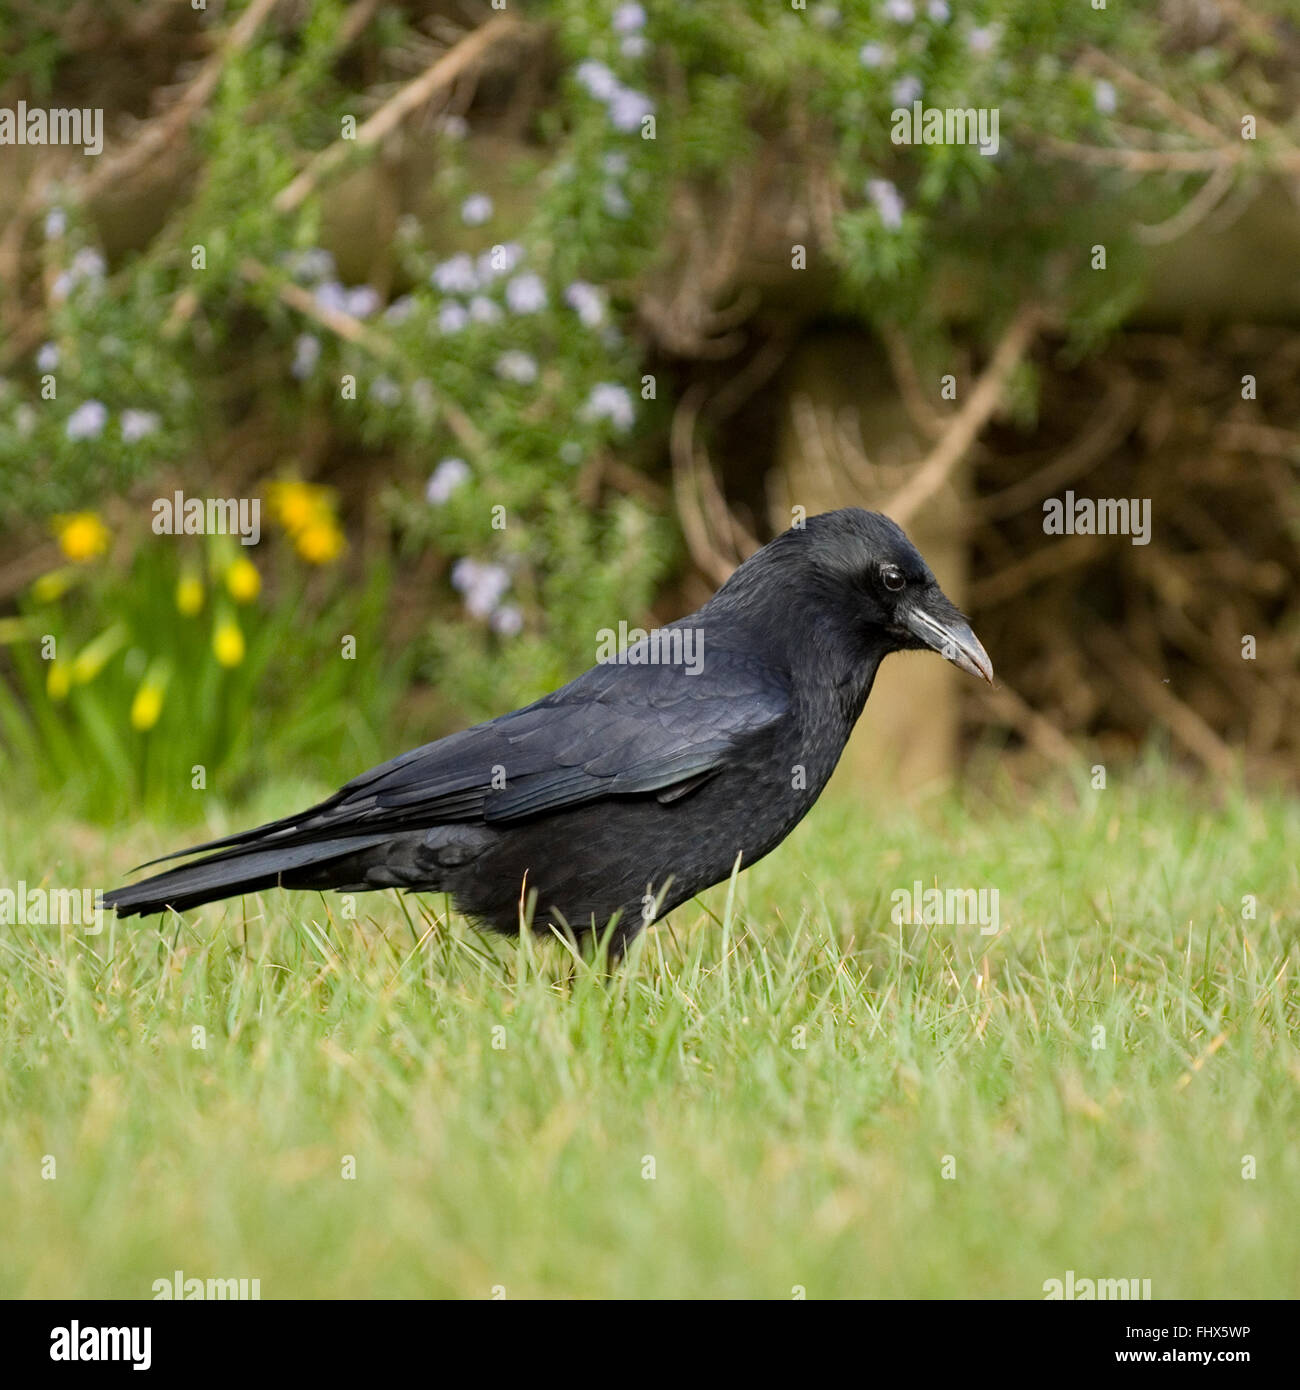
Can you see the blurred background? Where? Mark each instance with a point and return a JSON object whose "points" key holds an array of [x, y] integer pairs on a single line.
{"points": [[523, 320]]}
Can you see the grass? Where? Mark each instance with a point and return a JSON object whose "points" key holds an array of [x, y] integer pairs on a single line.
{"points": [[763, 1098]]}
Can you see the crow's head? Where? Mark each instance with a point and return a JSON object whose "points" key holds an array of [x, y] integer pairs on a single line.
{"points": [[857, 570]]}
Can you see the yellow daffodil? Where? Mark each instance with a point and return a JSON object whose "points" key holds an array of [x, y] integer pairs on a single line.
{"points": [[96, 654], [319, 544], [148, 702], [243, 581], [228, 642], [58, 680], [51, 587], [189, 594], [146, 707], [82, 536], [296, 505]]}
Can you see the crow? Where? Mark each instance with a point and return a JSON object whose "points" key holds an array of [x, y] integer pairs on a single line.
{"points": [[609, 802]]}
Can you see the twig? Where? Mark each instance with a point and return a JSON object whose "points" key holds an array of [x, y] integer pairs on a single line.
{"points": [[159, 133], [439, 74], [1184, 723], [1039, 732], [1208, 197], [699, 503], [1108, 426], [929, 421], [970, 419], [352, 330]]}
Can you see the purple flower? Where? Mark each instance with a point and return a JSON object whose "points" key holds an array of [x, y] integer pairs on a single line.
{"points": [[47, 359], [500, 260], [306, 353], [1105, 98], [476, 209], [873, 55], [88, 264], [484, 310], [444, 480], [56, 223], [456, 275], [315, 263], [609, 401], [332, 297], [900, 11], [452, 317], [385, 391], [938, 11], [137, 425], [507, 620], [361, 301], [887, 201], [906, 90], [587, 301], [399, 310], [982, 41], [634, 46], [454, 127], [87, 421], [526, 294], [517, 366], [627, 109], [482, 585], [596, 79], [628, 19], [615, 201]]}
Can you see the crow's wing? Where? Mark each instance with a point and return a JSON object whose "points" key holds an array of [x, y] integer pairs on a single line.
{"points": [[617, 730]]}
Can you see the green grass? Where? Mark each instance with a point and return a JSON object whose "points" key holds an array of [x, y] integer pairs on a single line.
{"points": [[775, 1165]]}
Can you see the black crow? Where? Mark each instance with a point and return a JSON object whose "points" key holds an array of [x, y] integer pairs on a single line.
{"points": [[637, 785]]}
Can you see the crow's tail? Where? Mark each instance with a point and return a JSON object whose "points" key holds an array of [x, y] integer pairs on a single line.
{"points": [[247, 868]]}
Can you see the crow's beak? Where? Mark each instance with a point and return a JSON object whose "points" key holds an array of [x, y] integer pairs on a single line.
{"points": [[952, 638]]}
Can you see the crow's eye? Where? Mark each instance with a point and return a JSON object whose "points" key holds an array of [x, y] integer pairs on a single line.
{"points": [[892, 578]]}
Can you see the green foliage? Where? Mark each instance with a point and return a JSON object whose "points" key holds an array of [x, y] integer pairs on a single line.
{"points": [[144, 684], [510, 335]]}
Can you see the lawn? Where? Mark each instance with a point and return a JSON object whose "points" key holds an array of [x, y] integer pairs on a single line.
{"points": [[781, 1089]]}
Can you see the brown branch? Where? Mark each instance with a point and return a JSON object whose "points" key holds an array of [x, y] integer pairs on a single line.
{"points": [[1156, 161], [961, 433], [1108, 426], [442, 73], [707, 523], [1003, 705], [1183, 722], [1042, 563], [928, 421], [159, 133], [352, 330]]}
